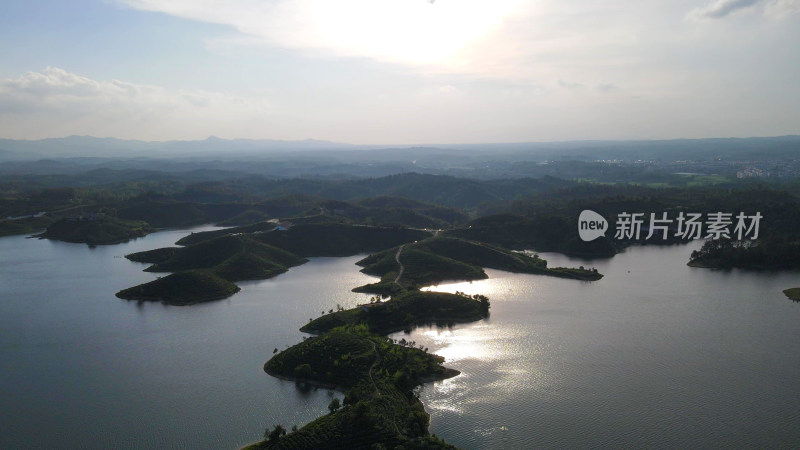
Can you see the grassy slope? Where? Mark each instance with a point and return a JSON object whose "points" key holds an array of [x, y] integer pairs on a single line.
{"points": [[445, 258], [23, 226], [213, 265], [232, 257], [195, 238], [182, 288], [153, 256], [484, 255], [338, 239], [337, 358]]}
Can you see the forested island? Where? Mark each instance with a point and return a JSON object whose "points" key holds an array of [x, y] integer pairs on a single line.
{"points": [[793, 293], [182, 288], [96, 229], [351, 353]]}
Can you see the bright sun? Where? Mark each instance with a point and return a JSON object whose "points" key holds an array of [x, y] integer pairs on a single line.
{"points": [[410, 31]]}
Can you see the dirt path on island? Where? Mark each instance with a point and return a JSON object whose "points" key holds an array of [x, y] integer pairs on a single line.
{"points": [[397, 258]]}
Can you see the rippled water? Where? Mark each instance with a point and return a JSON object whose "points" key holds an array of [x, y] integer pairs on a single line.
{"points": [[80, 368], [656, 354]]}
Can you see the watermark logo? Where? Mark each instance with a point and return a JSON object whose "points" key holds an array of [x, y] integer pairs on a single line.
{"points": [[635, 226], [591, 225]]}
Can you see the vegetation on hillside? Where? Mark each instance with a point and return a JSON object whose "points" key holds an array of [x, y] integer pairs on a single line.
{"points": [[194, 238], [153, 256], [379, 410], [373, 415], [96, 230], [545, 233], [438, 259], [259, 255], [25, 225], [182, 288], [338, 239], [404, 311], [234, 257], [345, 355], [747, 254], [521, 213]]}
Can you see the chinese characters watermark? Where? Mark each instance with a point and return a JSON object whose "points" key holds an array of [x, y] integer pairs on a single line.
{"points": [[635, 226]]}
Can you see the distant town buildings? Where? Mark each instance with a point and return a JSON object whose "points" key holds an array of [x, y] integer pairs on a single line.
{"points": [[752, 172]]}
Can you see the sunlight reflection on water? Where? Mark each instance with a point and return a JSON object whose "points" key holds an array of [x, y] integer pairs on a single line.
{"points": [[656, 354]]}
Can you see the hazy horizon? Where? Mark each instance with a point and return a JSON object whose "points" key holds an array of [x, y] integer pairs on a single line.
{"points": [[391, 144], [400, 72]]}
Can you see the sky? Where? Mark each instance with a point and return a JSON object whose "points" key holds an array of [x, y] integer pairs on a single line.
{"points": [[400, 71]]}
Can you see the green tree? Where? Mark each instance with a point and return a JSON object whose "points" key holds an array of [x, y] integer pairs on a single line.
{"points": [[303, 371], [276, 433], [334, 405]]}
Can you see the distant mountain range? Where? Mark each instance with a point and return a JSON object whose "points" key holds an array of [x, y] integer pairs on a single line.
{"points": [[758, 148], [88, 146]]}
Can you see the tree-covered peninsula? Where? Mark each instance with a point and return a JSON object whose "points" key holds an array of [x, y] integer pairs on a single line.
{"points": [[440, 258], [351, 353]]}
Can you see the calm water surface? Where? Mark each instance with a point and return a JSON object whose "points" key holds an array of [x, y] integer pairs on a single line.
{"points": [[656, 354], [80, 368]]}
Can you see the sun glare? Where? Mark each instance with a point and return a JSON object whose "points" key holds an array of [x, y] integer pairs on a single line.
{"points": [[411, 31]]}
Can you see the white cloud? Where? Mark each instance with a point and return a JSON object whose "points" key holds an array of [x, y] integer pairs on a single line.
{"points": [[416, 32], [548, 69], [534, 43], [721, 8], [56, 102], [782, 9], [776, 9]]}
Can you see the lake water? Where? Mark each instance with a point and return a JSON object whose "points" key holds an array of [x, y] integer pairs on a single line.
{"points": [[662, 356], [80, 368], [656, 354]]}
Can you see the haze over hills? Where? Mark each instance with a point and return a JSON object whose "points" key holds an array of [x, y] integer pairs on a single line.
{"points": [[89, 146], [674, 149], [88, 160]]}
